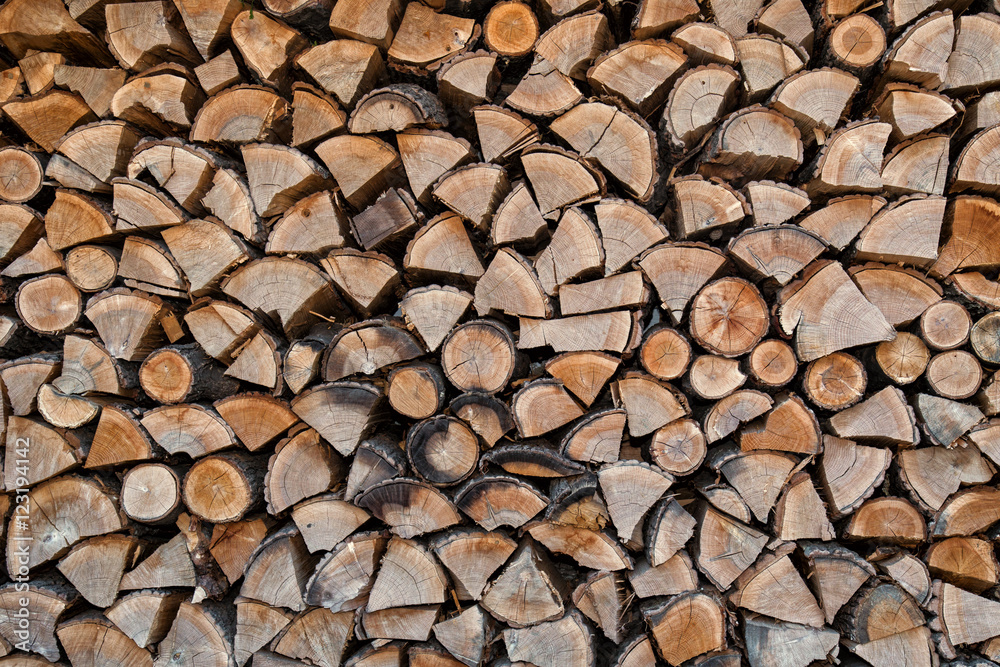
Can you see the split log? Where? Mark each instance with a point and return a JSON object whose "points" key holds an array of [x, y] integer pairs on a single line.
{"points": [[219, 73], [620, 134], [650, 403], [902, 295], [964, 562], [965, 513], [712, 377], [739, 407], [471, 556], [765, 144], [550, 643], [46, 117], [675, 576], [347, 84], [267, 45], [189, 429], [423, 508], [890, 520], [92, 639], [630, 489], [560, 179], [789, 426], [201, 632], [795, 604], [315, 115], [920, 55], [851, 159], [778, 252], [966, 617], [529, 591], [302, 466], [797, 510], [544, 91], [433, 311], [138, 51], [344, 577], [687, 626], [706, 43], [583, 373], [769, 640], [706, 207], [762, 57], [242, 114], [640, 73], [425, 39], [612, 332], [698, 99], [725, 547], [817, 308], [499, 500]]}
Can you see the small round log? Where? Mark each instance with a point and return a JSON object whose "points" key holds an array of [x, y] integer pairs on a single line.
{"points": [[772, 363], [21, 174], [151, 493], [92, 268], [665, 353], [49, 304], [223, 487], [416, 390], [679, 447], [955, 374], [479, 356], [856, 43], [511, 29], [835, 382], [985, 338], [442, 450], [183, 373], [729, 317], [945, 325]]}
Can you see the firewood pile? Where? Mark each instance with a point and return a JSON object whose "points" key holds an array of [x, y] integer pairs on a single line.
{"points": [[452, 333]]}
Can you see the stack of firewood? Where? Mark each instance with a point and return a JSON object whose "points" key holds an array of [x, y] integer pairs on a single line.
{"points": [[558, 333]]}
